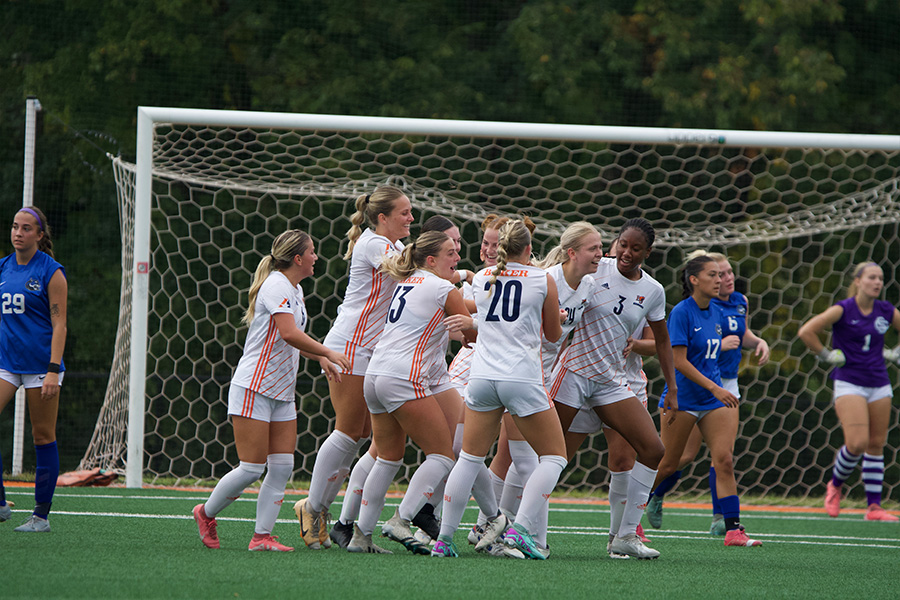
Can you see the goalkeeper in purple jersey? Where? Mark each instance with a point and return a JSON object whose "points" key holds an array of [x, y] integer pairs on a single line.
{"points": [[862, 389]]}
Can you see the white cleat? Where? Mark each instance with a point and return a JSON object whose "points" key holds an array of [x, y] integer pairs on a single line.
{"points": [[631, 545]]}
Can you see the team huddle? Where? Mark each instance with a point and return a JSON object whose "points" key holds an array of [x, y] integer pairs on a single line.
{"points": [[551, 352]]}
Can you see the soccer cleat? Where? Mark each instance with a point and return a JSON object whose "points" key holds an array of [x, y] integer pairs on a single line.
{"points": [[207, 528], [517, 537], [631, 545], [500, 549], [309, 524], [426, 521], [34, 524], [654, 511], [737, 537], [263, 541], [640, 533], [444, 549], [832, 499], [6, 511], [718, 525], [612, 554], [475, 534], [876, 513], [361, 543], [493, 529], [397, 529], [423, 538], [324, 520], [341, 534]]}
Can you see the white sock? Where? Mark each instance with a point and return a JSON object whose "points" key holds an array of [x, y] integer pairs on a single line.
{"points": [[377, 483], [512, 492], [458, 489], [618, 495], [271, 493], [639, 485], [496, 484], [334, 485], [457, 439], [232, 486], [424, 483], [525, 461], [538, 489], [329, 459], [353, 495]]}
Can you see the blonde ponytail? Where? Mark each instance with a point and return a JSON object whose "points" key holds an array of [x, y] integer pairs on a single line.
{"points": [[285, 247], [368, 207], [415, 256], [514, 239]]}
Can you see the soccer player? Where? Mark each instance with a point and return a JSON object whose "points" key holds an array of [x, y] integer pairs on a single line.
{"points": [[262, 391], [695, 326], [736, 335], [399, 390], [381, 219], [862, 389], [514, 301], [33, 293], [592, 371]]}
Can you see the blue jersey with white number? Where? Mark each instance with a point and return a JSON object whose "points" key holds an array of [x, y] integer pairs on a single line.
{"points": [[734, 322], [700, 331], [25, 326]]}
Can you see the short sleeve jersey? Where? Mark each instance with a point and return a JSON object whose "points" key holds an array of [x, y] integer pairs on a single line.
{"points": [[861, 337], [269, 364], [462, 362], [361, 316], [615, 309], [734, 322], [574, 303], [414, 338], [509, 324], [700, 331], [25, 326]]}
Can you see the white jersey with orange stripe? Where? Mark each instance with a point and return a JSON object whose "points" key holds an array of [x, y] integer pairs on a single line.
{"points": [[415, 337], [361, 316], [571, 301], [509, 324], [615, 309], [462, 362], [269, 364]]}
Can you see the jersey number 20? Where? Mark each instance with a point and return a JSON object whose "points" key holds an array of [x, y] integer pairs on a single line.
{"points": [[509, 295]]}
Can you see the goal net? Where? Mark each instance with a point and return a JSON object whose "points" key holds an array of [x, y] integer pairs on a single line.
{"points": [[793, 212]]}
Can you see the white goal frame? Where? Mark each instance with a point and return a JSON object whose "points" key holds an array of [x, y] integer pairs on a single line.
{"points": [[148, 117]]}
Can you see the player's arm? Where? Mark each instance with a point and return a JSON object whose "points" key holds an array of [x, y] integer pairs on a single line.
{"points": [[693, 373], [308, 347], [667, 364], [455, 305], [57, 296], [550, 312], [646, 346], [809, 331]]}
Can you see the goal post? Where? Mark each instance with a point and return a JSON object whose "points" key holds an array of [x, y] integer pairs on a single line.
{"points": [[211, 188]]}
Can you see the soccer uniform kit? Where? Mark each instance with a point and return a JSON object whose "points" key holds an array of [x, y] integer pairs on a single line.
{"points": [[861, 338], [700, 331], [734, 322]]}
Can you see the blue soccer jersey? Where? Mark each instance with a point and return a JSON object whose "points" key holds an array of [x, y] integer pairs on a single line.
{"points": [[734, 322], [700, 331], [25, 327], [861, 338]]}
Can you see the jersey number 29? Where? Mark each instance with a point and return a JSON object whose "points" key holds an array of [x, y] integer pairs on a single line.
{"points": [[13, 304]]}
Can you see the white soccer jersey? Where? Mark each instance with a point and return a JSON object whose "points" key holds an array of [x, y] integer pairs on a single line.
{"points": [[361, 316], [462, 362], [574, 303], [615, 309], [634, 367], [509, 324], [269, 364], [415, 338]]}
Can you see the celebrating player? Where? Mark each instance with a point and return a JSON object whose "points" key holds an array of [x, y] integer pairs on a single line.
{"points": [[862, 389]]}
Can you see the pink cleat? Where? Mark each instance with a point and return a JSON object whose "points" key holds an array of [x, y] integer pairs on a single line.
{"points": [[640, 534], [876, 513], [737, 537], [207, 527], [832, 499], [264, 541]]}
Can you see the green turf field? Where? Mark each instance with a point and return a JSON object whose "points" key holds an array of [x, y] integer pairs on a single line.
{"points": [[120, 543]]}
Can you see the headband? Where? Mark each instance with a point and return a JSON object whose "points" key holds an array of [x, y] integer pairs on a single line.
{"points": [[34, 214], [860, 270]]}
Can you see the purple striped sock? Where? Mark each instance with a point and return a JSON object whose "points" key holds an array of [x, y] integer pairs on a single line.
{"points": [[873, 477], [844, 464]]}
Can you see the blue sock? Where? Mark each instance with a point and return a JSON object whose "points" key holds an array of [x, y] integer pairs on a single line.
{"points": [[45, 475], [717, 506], [666, 485], [2, 488], [731, 510]]}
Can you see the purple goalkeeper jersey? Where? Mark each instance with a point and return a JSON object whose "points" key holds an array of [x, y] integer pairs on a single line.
{"points": [[861, 337]]}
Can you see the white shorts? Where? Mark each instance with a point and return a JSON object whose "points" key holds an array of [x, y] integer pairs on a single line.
{"points": [[579, 392], [29, 380], [439, 378], [732, 386], [253, 405], [699, 414], [520, 399], [871, 394], [385, 393], [359, 356], [588, 421]]}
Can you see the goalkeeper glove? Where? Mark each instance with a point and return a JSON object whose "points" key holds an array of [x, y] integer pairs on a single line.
{"points": [[891, 355], [832, 357]]}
